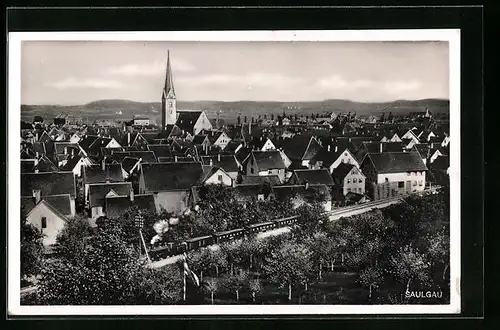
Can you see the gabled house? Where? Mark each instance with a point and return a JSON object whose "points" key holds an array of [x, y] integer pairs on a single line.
{"points": [[263, 144], [201, 140], [218, 138], [265, 163], [48, 220], [216, 175], [103, 173], [247, 193], [130, 165], [440, 170], [272, 180], [58, 188], [227, 162], [160, 150], [348, 178], [193, 122], [300, 149], [405, 169], [98, 192], [170, 183], [410, 134]]}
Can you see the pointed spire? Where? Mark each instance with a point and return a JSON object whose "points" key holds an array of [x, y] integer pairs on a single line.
{"points": [[169, 81]]}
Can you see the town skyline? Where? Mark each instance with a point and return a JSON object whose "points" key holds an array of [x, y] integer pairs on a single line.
{"points": [[232, 72]]}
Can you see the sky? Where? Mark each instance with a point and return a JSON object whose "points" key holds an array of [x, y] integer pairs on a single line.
{"points": [[78, 72]]}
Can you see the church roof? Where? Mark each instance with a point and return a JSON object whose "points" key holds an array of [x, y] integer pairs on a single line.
{"points": [[169, 81]]}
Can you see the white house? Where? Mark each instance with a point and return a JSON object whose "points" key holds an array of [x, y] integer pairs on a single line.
{"points": [[405, 169], [49, 220], [264, 163], [141, 121], [216, 175]]}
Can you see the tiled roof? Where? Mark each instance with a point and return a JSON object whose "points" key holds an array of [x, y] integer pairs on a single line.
{"points": [[179, 159], [116, 205], [226, 162], [242, 154], [147, 156], [321, 176], [95, 174], [295, 147], [160, 150], [326, 157], [128, 163], [59, 147], [71, 163], [289, 191], [98, 191], [187, 119], [49, 183], [396, 162], [199, 139], [441, 163], [27, 165], [266, 160], [340, 172], [171, 176], [61, 203], [39, 147], [273, 180], [46, 165]]}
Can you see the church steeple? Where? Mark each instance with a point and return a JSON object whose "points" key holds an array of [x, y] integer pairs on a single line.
{"points": [[168, 98], [169, 81]]}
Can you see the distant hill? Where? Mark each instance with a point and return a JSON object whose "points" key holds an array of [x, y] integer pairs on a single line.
{"points": [[111, 109]]}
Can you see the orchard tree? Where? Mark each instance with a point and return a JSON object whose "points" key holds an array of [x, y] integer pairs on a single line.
{"points": [[323, 250], [255, 287], [217, 259], [289, 265], [233, 252], [31, 248], [408, 265], [199, 261], [371, 277], [236, 281], [212, 286]]}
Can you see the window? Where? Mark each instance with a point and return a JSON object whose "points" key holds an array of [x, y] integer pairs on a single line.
{"points": [[360, 180], [349, 189], [420, 183], [342, 160], [401, 184], [270, 172], [251, 170], [354, 180], [44, 222], [348, 161], [348, 180], [219, 177], [414, 183], [359, 190]]}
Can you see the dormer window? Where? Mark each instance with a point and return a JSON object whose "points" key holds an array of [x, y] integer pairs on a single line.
{"points": [[44, 222]]}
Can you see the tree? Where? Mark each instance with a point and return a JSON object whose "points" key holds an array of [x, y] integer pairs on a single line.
{"points": [[245, 119], [236, 281], [31, 248], [104, 275], [239, 120], [255, 287], [233, 252], [216, 259], [310, 220], [38, 119], [158, 287], [72, 238], [323, 250], [212, 286], [408, 264], [199, 261], [371, 277], [272, 116], [289, 265]]}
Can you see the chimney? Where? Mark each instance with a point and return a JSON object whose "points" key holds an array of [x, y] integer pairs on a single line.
{"points": [[336, 148], [72, 152], [131, 194], [349, 139], [381, 147], [211, 162], [65, 150], [218, 157], [175, 159], [128, 139], [233, 183], [103, 164], [306, 185], [36, 196], [328, 148]]}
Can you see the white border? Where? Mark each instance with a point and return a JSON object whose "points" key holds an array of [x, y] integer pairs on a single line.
{"points": [[14, 75]]}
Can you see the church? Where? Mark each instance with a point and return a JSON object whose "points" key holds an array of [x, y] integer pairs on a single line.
{"points": [[192, 122]]}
